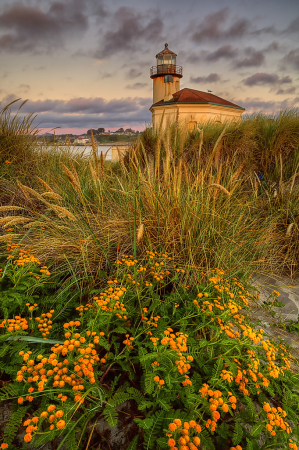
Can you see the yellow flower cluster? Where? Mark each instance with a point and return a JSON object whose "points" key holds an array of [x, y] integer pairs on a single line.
{"points": [[58, 370], [107, 301], [129, 341], [152, 320], [217, 401], [16, 324], [275, 417], [127, 260], [54, 418], [178, 342], [44, 323], [25, 258], [183, 436], [160, 382]]}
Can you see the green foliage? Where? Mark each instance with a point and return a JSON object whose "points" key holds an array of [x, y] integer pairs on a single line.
{"points": [[157, 357]]}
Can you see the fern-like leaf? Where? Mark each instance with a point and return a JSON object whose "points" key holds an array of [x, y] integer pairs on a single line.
{"points": [[238, 434], [110, 415], [13, 424]]}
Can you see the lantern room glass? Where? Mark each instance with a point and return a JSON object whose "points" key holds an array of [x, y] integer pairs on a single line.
{"points": [[166, 59]]}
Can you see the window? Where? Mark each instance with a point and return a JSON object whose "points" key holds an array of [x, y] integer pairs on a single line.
{"points": [[168, 79]]}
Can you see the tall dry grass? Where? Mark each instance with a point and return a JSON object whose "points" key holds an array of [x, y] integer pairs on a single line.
{"points": [[207, 198]]}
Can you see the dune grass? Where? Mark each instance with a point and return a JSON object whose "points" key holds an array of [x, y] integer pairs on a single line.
{"points": [[224, 196]]}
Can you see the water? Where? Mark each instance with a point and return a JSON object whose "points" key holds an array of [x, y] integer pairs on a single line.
{"points": [[87, 150]]}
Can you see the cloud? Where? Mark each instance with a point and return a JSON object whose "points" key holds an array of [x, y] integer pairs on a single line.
{"points": [[106, 75], [127, 30], [24, 87], [293, 27], [290, 90], [212, 78], [224, 52], [212, 27], [137, 86], [85, 112], [133, 73], [254, 105], [26, 28], [274, 46], [49, 120], [261, 78], [254, 58], [292, 58]]}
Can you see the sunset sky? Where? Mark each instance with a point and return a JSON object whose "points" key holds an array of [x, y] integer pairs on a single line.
{"points": [[85, 63]]}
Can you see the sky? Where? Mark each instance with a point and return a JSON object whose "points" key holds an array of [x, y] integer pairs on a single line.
{"points": [[85, 63]]}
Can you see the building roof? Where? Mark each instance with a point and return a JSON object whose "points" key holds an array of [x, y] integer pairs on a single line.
{"points": [[166, 51], [187, 95]]}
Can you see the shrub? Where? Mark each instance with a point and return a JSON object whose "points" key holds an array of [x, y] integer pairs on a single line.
{"points": [[194, 370]]}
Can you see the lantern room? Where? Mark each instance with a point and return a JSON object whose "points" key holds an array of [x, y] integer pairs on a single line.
{"points": [[166, 75]]}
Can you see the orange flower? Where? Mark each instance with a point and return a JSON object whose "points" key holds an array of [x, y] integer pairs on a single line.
{"points": [[267, 407], [51, 408], [4, 445], [20, 400], [171, 442], [196, 440], [27, 437], [172, 426], [60, 424]]}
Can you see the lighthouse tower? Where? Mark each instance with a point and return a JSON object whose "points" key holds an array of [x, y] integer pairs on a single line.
{"points": [[166, 75]]}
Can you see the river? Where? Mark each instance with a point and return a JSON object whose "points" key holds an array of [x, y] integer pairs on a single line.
{"points": [[86, 150]]}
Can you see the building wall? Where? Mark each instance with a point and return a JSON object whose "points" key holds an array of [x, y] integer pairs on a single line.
{"points": [[119, 150], [192, 115], [163, 90]]}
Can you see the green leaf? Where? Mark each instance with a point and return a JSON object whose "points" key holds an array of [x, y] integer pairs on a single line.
{"points": [[238, 434], [256, 430], [146, 424], [249, 445], [15, 420], [164, 405], [149, 383], [250, 407], [36, 340], [133, 444], [110, 415], [120, 330], [145, 404], [223, 430], [217, 370], [206, 441]]}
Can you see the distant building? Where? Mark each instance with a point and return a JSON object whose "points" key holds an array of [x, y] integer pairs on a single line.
{"points": [[189, 106], [81, 140]]}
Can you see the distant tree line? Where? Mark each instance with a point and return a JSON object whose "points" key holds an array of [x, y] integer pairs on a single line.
{"points": [[102, 130]]}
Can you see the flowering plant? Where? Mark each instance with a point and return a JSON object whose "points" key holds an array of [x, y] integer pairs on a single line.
{"points": [[195, 372]]}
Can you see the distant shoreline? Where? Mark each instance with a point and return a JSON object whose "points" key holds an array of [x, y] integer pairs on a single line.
{"points": [[111, 144]]}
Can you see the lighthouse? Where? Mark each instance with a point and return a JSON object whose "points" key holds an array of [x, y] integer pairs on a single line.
{"points": [[166, 75], [186, 106]]}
